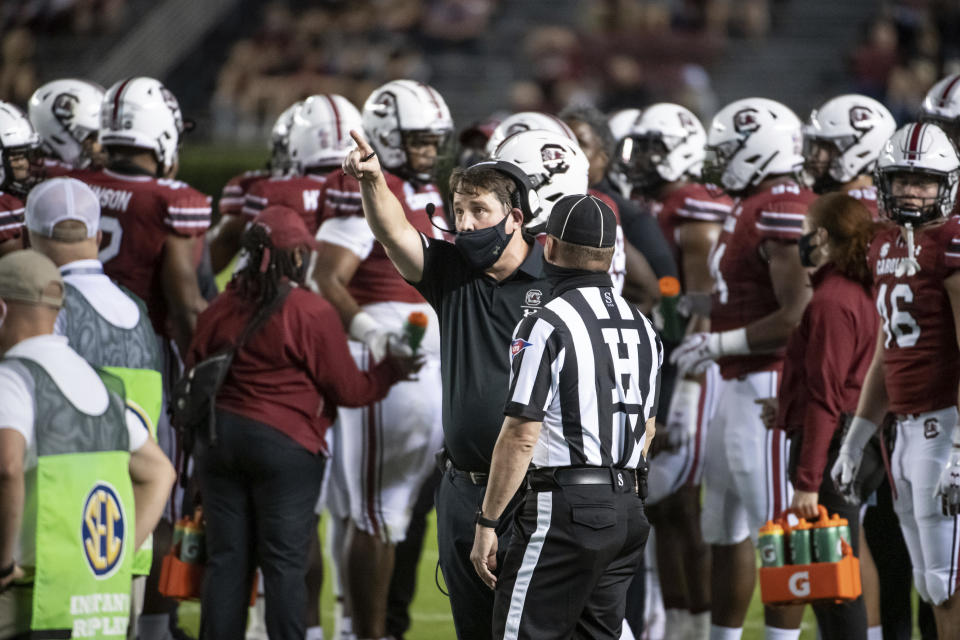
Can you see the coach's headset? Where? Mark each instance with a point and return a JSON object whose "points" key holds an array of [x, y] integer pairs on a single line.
{"points": [[524, 197]]}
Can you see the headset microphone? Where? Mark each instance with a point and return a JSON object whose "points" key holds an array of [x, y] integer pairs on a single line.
{"points": [[431, 209]]}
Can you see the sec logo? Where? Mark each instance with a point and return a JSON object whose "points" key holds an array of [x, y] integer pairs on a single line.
{"points": [[102, 530]]}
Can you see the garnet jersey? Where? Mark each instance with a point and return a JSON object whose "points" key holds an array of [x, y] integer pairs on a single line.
{"points": [[11, 218], [300, 193], [233, 194], [868, 196], [53, 168], [743, 291], [920, 356], [137, 214], [343, 224], [691, 202]]}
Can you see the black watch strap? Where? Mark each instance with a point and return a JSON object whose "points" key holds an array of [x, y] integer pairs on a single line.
{"points": [[486, 522], [7, 570]]}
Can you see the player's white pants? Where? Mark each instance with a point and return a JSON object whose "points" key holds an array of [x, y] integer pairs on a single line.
{"points": [[388, 447], [745, 471], [670, 470], [933, 539]]}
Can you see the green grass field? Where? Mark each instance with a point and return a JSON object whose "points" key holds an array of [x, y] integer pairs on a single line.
{"points": [[431, 610]]}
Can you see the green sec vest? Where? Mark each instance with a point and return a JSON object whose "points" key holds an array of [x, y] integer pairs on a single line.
{"points": [[81, 496], [130, 354]]}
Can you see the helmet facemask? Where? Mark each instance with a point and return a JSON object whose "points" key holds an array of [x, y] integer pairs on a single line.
{"points": [[717, 158], [821, 158], [639, 158], [422, 139], [916, 210], [32, 171]]}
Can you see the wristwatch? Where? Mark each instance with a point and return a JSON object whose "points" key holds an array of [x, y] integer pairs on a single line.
{"points": [[486, 522]]}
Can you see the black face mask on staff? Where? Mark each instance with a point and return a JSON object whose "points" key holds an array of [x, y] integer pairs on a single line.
{"points": [[483, 247]]}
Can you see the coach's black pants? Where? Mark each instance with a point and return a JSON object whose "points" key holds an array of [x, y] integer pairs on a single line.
{"points": [[470, 599], [258, 489], [573, 554]]}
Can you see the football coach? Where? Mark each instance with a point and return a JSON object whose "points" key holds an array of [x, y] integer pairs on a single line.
{"points": [[480, 286], [581, 406]]}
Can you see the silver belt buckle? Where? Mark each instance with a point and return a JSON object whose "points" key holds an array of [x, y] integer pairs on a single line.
{"points": [[476, 477]]}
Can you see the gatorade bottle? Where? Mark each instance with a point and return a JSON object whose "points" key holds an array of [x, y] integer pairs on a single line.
{"points": [[800, 543], [414, 329], [191, 545], [674, 325], [827, 533], [770, 545]]}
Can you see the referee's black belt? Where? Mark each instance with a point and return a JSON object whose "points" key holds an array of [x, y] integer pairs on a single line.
{"points": [[550, 478]]}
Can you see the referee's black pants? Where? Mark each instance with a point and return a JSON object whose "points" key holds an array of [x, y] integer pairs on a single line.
{"points": [[259, 488], [573, 553], [471, 601]]}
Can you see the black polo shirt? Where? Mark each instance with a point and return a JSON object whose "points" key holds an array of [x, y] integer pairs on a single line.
{"points": [[477, 317]]}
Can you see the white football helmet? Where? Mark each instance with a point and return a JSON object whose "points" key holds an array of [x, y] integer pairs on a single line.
{"points": [[527, 121], [17, 137], [395, 111], [843, 140], [622, 121], [941, 106], [918, 148], [65, 113], [555, 165], [752, 139], [280, 140], [665, 144], [142, 113], [320, 132]]}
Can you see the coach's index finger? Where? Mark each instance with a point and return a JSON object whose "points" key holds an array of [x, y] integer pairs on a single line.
{"points": [[361, 163], [362, 144]]}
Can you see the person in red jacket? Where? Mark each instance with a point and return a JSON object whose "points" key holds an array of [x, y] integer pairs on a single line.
{"points": [[827, 358], [261, 480]]}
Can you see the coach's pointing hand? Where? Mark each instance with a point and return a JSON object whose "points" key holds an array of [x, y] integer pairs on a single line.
{"points": [[484, 555], [362, 162]]}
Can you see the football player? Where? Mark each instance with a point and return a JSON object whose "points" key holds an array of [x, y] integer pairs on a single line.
{"points": [[153, 228], [526, 121], [225, 238], [841, 144], [915, 373], [662, 156], [760, 291], [389, 446], [18, 142], [66, 116], [645, 247], [620, 123]]}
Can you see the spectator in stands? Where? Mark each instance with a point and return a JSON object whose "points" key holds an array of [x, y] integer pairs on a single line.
{"points": [[18, 73], [261, 481]]}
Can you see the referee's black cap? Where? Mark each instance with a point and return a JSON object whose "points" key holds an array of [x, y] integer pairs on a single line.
{"points": [[583, 220]]}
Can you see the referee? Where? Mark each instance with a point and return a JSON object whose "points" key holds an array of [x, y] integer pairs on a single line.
{"points": [[581, 407], [481, 286]]}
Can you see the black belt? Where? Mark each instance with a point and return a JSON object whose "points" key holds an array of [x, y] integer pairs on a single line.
{"points": [[475, 477], [549, 478]]}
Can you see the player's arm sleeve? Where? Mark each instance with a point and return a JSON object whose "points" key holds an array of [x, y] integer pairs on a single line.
{"points": [[254, 201], [231, 199], [352, 233], [16, 408], [188, 213], [951, 255], [703, 210], [536, 360], [781, 221], [642, 231], [11, 222]]}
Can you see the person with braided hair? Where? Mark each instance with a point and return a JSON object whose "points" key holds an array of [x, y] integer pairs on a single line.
{"points": [[261, 480]]}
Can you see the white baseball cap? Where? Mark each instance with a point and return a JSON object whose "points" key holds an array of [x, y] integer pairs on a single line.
{"points": [[54, 201]]}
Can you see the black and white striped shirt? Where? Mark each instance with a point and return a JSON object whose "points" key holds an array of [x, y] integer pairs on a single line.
{"points": [[588, 367]]}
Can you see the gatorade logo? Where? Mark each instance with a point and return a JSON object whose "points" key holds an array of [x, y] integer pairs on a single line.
{"points": [[799, 584], [102, 530]]}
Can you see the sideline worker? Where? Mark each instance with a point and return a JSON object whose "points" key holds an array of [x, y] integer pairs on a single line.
{"points": [[480, 286], [108, 326], [581, 407], [73, 458]]}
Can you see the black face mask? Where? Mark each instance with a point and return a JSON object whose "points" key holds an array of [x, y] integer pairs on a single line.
{"points": [[805, 248], [483, 247]]}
